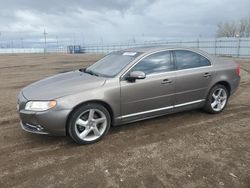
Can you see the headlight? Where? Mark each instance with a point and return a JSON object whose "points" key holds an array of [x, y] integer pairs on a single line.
{"points": [[39, 105]]}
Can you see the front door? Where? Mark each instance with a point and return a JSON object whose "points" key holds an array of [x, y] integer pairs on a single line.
{"points": [[153, 95]]}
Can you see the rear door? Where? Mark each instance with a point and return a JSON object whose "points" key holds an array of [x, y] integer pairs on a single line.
{"points": [[152, 95], [193, 75]]}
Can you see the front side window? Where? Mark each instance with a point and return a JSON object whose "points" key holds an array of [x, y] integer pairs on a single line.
{"points": [[155, 63], [187, 59]]}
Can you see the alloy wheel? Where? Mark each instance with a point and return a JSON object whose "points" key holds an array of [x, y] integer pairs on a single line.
{"points": [[90, 125], [219, 99]]}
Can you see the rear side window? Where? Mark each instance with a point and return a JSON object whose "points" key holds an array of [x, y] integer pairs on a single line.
{"points": [[187, 59], [155, 63]]}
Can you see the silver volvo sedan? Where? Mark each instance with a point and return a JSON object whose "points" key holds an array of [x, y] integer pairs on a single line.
{"points": [[126, 86]]}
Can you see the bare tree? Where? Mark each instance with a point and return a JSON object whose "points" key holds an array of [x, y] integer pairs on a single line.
{"points": [[248, 27], [226, 29], [243, 27], [240, 28]]}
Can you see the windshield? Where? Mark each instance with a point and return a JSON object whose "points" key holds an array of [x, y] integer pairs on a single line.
{"points": [[112, 64]]}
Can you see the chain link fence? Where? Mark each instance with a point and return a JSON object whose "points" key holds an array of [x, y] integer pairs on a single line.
{"points": [[234, 47]]}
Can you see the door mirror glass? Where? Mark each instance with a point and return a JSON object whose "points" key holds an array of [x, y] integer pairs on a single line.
{"points": [[134, 75]]}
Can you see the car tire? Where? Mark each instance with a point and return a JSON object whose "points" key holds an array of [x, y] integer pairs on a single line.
{"points": [[89, 123], [217, 99]]}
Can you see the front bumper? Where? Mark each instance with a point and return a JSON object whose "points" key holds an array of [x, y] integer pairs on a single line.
{"points": [[51, 122], [32, 128]]}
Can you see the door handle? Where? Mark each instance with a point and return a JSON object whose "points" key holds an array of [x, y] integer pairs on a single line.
{"points": [[207, 74], [166, 81]]}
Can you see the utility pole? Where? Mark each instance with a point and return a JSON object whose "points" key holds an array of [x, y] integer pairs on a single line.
{"points": [[12, 47], [57, 44], [45, 41], [21, 42], [74, 42], [248, 32], [0, 39]]}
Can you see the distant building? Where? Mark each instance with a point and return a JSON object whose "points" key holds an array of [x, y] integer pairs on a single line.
{"points": [[74, 49]]}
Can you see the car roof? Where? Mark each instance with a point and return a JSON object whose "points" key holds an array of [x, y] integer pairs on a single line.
{"points": [[150, 49]]}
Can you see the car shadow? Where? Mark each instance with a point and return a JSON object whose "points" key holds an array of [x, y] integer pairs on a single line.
{"points": [[165, 122], [160, 120]]}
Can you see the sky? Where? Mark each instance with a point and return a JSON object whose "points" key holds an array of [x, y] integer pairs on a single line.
{"points": [[111, 21]]}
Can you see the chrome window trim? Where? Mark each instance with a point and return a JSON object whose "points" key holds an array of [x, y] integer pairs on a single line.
{"points": [[156, 74], [160, 109], [151, 53]]}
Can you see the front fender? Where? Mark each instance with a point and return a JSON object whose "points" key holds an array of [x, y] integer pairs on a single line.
{"points": [[109, 93]]}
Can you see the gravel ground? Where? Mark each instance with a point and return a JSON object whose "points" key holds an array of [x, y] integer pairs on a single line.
{"points": [[188, 149]]}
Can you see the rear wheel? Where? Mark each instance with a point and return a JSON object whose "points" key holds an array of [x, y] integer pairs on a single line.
{"points": [[89, 123], [217, 99]]}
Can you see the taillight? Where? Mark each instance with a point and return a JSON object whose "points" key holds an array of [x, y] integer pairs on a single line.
{"points": [[237, 70]]}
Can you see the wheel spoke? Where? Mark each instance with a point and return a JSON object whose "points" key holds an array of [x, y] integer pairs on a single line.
{"points": [[214, 104], [81, 122], [214, 96], [96, 131], [220, 91], [100, 120], [91, 114], [85, 133], [223, 98], [219, 105]]}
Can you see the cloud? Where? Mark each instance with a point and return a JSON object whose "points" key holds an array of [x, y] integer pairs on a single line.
{"points": [[117, 20]]}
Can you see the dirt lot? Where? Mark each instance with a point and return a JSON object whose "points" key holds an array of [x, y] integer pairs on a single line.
{"points": [[190, 149]]}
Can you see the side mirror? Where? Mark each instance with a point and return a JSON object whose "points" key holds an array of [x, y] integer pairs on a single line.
{"points": [[134, 75]]}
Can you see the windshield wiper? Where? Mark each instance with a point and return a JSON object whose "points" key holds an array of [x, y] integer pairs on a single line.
{"points": [[89, 72]]}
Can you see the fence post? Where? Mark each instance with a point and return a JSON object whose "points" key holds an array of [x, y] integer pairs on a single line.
{"points": [[238, 48], [12, 47], [215, 47]]}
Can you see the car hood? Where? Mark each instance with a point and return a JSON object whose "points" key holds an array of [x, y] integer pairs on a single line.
{"points": [[62, 85]]}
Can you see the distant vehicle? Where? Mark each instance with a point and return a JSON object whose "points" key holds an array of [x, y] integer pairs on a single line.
{"points": [[124, 87]]}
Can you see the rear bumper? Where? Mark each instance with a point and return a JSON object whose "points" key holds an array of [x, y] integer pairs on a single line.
{"points": [[234, 85]]}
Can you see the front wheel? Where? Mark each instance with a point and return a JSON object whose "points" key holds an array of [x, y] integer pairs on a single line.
{"points": [[89, 123], [217, 99]]}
